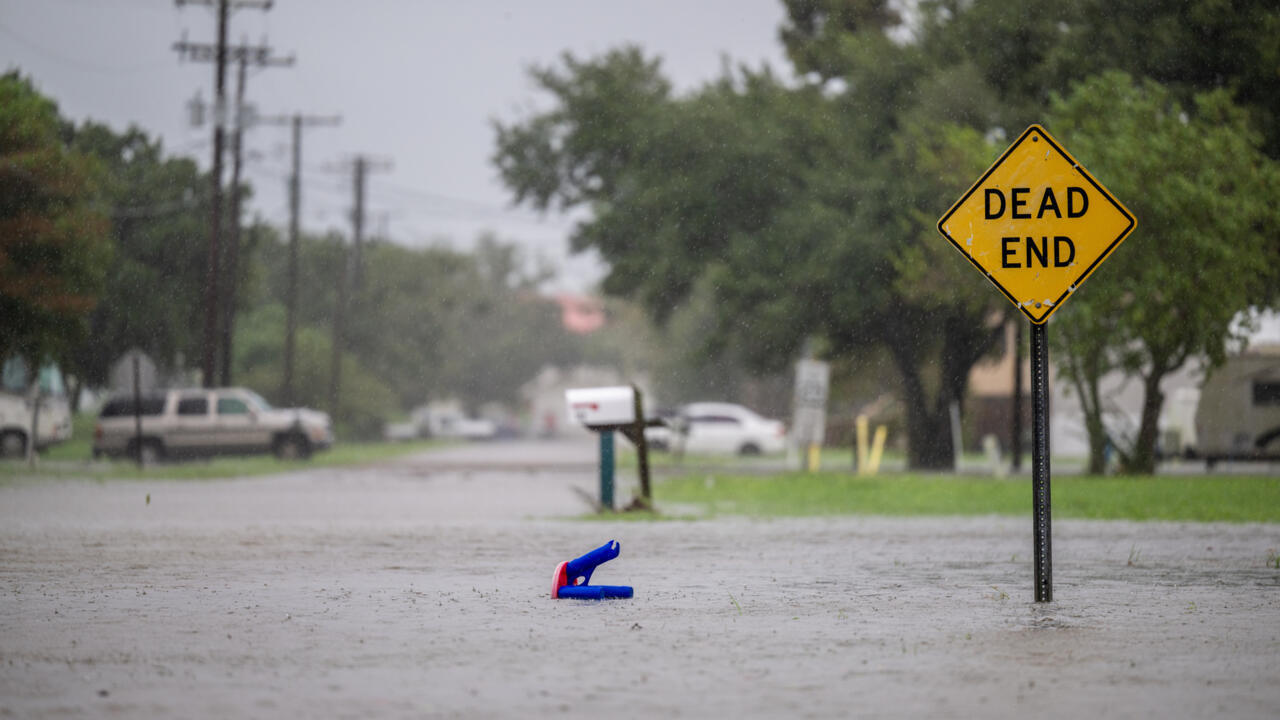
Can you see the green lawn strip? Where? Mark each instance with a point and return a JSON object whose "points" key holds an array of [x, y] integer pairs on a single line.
{"points": [[341, 454], [1188, 498], [832, 459]]}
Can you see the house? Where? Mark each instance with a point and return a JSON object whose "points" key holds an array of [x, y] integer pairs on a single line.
{"points": [[989, 408], [580, 314]]}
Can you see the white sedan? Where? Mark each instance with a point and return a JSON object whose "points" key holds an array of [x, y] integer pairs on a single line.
{"points": [[727, 428]]}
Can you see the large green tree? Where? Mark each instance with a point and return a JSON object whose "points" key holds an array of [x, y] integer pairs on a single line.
{"points": [[1205, 197], [426, 324], [808, 208], [365, 401], [156, 205], [1013, 58], [799, 209], [53, 242], [436, 323], [1027, 50]]}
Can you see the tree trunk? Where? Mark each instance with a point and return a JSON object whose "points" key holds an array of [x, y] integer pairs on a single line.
{"points": [[1098, 440], [74, 399], [33, 437], [1142, 459], [929, 440], [928, 433], [1085, 373], [1086, 387]]}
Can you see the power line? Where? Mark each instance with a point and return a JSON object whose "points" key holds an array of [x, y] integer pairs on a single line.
{"points": [[472, 208], [478, 206]]}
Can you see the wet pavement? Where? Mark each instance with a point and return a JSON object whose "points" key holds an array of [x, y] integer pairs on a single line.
{"points": [[421, 589]]}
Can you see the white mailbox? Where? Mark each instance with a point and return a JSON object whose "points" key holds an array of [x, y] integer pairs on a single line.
{"points": [[602, 407]]}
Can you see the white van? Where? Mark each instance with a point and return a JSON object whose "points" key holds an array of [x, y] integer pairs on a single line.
{"points": [[1238, 417], [17, 409]]}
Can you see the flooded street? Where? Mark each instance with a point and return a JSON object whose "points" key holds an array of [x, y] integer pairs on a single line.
{"points": [[421, 588]]}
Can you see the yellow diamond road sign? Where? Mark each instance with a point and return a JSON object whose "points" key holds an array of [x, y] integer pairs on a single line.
{"points": [[1036, 224]]}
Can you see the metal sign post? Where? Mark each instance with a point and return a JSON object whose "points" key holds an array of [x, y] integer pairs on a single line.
{"points": [[1037, 224], [1041, 517]]}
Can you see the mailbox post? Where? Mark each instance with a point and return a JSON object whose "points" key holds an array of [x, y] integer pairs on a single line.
{"points": [[609, 409], [607, 466]]}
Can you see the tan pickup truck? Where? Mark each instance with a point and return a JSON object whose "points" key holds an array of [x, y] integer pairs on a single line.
{"points": [[203, 422]]}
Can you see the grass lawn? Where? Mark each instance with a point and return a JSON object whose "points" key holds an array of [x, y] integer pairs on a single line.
{"points": [[834, 459], [1200, 498]]}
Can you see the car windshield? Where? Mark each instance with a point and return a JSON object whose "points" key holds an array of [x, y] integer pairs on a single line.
{"points": [[257, 400]]}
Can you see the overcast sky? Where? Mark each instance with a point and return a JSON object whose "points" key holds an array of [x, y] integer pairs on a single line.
{"points": [[416, 83]]}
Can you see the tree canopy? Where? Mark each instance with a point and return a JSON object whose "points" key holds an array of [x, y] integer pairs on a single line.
{"points": [[786, 201], [1203, 251], [157, 209], [426, 324], [807, 207], [53, 241]]}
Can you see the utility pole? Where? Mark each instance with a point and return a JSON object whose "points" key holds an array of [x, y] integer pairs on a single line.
{"points": [[218, 54], [357, 220], [350, 268], [231, 271], [362, 165], [339, 308], [297, 121]]}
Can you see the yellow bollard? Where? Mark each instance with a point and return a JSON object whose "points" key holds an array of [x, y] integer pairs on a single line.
{"points": [[862, 444], [877, 448], [815, 458]]}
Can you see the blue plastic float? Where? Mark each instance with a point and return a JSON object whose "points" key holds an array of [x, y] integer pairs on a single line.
{"points": [[571, 576]]}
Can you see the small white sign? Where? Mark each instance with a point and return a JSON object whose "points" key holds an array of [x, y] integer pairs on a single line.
{"points": [[809, 422]]}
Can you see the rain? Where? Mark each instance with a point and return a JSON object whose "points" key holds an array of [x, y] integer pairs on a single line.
{"points": [[329, 332]]}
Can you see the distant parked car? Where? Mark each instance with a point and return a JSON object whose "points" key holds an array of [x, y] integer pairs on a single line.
{"points": [[54, 417], [447, 420], [661, 437], [722, 428], [202, 422]]}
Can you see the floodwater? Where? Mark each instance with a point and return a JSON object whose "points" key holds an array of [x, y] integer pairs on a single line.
{"points": [[421, 589]]}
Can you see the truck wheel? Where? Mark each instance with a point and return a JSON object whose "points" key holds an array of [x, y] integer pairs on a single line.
{"points": [[292, 447], [13, 443]]}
